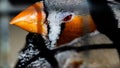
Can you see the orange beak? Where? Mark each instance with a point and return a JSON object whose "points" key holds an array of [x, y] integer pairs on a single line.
{"points": [[32, 19], [76, 28]]}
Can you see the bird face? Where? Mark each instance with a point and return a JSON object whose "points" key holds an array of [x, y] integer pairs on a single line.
{"points": [[60, 24]]}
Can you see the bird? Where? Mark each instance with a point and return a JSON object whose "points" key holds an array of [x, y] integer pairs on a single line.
{"points": [[51, 24]]}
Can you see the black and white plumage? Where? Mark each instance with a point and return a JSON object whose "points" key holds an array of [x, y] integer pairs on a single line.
{"points": [[35, 54]]}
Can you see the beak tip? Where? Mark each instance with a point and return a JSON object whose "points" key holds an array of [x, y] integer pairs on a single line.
{"points": [[11, 23]]}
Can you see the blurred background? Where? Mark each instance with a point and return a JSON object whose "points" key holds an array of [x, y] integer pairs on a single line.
{"points": [[12, 38]]}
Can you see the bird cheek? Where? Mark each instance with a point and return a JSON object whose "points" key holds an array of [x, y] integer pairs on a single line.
{"points": [[72, 30], [75, 28], [32, 19]]}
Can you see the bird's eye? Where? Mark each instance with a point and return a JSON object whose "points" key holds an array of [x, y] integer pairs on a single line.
{"points": [[67, 18]]}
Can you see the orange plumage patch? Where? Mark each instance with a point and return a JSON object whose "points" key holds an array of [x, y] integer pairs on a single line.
{"points": [[75, 28], [32, 19]]}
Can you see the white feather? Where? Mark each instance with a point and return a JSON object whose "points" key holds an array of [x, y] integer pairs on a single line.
{"points": [[55, 28]]}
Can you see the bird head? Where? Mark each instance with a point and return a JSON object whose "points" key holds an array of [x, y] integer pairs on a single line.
{"points": [[61, 21]]}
